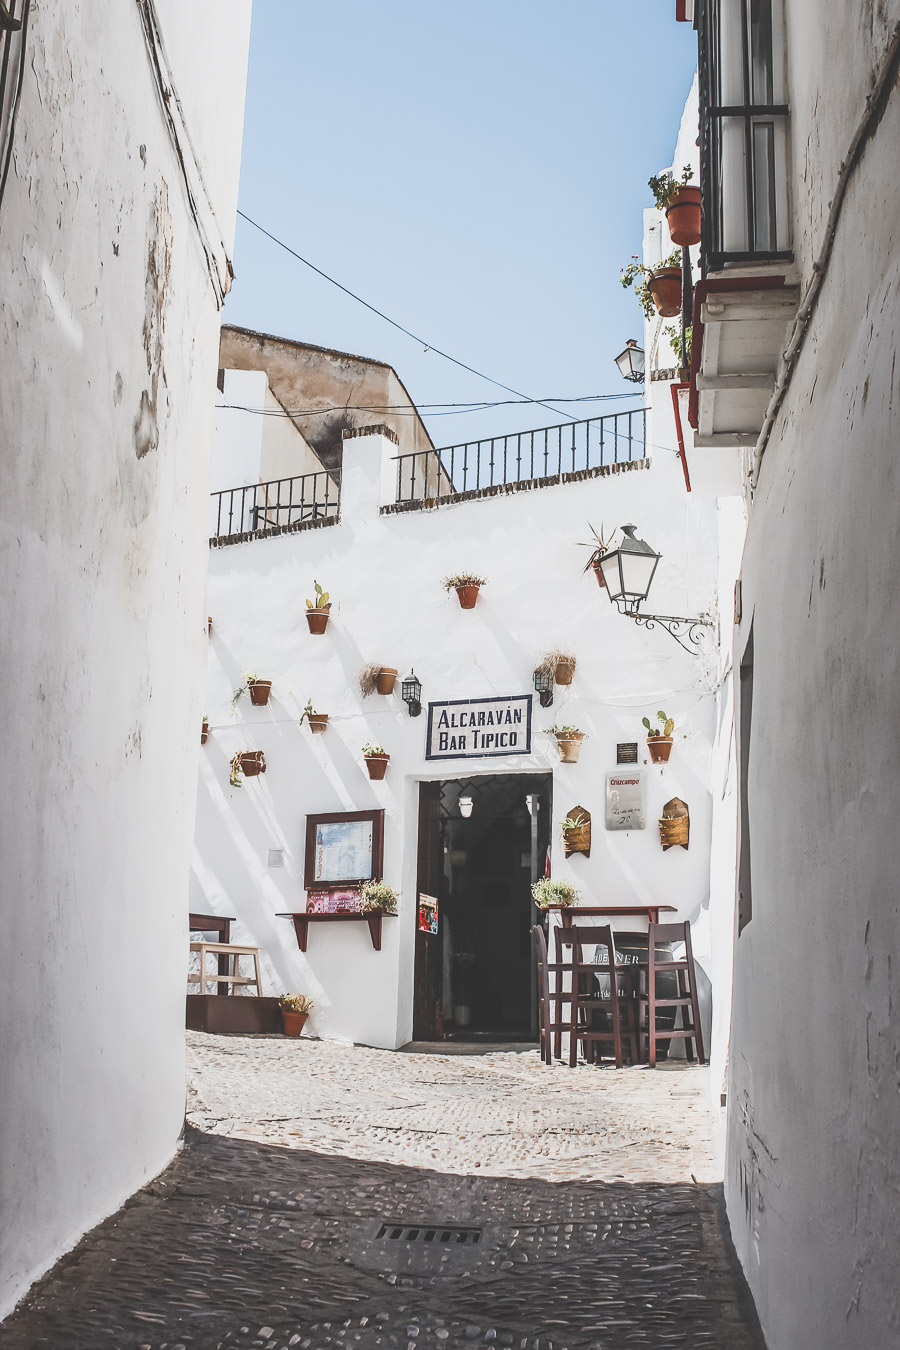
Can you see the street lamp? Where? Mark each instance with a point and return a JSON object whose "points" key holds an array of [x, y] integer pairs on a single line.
{"points": [[627, 573], [543, 683], [411, 693], [631, 362]]}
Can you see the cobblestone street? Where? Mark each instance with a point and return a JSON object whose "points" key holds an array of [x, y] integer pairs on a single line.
{"points": [[566, 1209]]}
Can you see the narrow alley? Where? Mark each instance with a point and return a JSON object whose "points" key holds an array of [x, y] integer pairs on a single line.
{"points": [[566, 1209]]}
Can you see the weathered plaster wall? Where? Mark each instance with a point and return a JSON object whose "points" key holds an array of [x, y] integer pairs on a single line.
{"points": [[813, 1165], [109, 337], [320, 380], [384, 573]]}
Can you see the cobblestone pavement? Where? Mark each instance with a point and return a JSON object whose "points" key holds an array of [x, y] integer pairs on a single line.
{"points": [[296, 1214]]}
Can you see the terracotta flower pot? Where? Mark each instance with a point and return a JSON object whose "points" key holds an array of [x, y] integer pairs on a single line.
{"points": [[467, 596], [386, 679], [665, 286], [209, 625], [259, 692], [377, 765], [683, 216], [660, 748], [565, 671], [253, 763], [204, 731], [317, 620], [317, 723], [294, 1022], [598, 573], [570, 747]]}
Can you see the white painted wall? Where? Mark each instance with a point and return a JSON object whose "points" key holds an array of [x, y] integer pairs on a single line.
{"points": [[109, 333], [384, 573], [814, 1112]]}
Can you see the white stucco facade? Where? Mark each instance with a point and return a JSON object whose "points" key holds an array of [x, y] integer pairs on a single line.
{"points": [[109, 331]]}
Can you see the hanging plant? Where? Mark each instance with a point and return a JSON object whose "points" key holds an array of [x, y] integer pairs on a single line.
{"points": [[377, 897], [576, 832], [317, 721], [376, 758], [258, 690], [658, 288], [246, 764], [568, 742], [375, 679], [467, 586], [681, 204], [558, 666], [598, 546], [318, 610]]}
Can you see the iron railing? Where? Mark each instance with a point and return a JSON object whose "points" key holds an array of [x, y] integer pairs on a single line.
{"points": [[281, 502], [548, 452]]}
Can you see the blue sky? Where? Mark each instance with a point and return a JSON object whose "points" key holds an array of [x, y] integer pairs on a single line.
{"points": [[476, 169]]}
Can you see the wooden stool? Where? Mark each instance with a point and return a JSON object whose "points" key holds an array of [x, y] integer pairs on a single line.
{"points": [[551, 1021], [621, 1003], [690, 1030], [226, 950]]}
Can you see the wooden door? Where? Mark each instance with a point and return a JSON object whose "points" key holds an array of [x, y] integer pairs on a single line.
{"points": [[427, 991]]}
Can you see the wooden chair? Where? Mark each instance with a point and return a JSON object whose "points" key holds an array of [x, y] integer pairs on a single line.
{"points": [[619, 1004], [551, 1022], [228, 950], [690, 1030], [214, 923]]}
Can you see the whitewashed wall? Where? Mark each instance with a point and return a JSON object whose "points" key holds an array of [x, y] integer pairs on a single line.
{"points": [[384, 573], [813, 1162], [109, 334]]}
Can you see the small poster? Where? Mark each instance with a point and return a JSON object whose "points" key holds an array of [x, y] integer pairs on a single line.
{"points": [[345, 901], [627, 752], [625, 801], [428, 913], [344, 850]]}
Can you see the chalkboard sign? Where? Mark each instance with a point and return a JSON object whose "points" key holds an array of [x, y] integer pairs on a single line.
{"points": [[627, 752]]}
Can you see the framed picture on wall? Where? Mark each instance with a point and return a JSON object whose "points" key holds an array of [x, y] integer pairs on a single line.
{"points": [[343, 847]]}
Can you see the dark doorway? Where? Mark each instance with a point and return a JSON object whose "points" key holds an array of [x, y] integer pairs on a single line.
{"points": [[475, 976]]}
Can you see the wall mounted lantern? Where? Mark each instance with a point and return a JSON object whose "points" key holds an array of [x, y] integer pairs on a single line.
{"points": [[411, 693], [543, 683], [631, 362], [627, 573], [465, 805]]}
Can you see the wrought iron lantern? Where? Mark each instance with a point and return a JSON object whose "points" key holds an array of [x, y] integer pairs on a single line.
{"points": [[411, 693], [543, 683], [628, 572], [465, 804], [631, 362]]}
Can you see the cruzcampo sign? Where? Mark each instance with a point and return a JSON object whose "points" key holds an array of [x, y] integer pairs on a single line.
{"points": [[474, 728]]}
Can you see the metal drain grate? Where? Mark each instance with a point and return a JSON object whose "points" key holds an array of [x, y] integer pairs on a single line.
{"points": [[453, 1235]]}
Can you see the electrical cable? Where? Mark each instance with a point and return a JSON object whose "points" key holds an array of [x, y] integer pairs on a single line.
{"points": [[14, 112], [411, 409], [429, 346]]}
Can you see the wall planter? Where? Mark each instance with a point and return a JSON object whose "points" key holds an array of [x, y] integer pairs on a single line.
{"points": [[683, 216], [675, 824], [565, 670], [204, 731], [385, 680], [467, 585], [209, 626], [376, 761], [318, 723], [569, 745], [253, 762], [576, 832], [660, 747], [664, 285], [598, 573], [259, 692], [318, 610]]}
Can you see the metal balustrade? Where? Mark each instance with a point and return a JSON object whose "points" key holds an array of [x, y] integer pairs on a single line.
{"points": [[547, 452], [279, 503]]}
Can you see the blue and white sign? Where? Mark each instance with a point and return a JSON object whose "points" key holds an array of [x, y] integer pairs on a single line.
{"points": [[476, 728]]}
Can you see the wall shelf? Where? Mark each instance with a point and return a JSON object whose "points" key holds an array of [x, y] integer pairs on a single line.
{"points": [[302, 921]]}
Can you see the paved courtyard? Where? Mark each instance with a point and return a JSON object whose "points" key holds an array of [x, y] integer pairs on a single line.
{"points": [[333, 1196]]}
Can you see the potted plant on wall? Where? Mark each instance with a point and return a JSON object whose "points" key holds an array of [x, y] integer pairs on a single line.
{"points": [[377, 897], [317, 721], [568, 742], [375, 679], [658, 287], [246, 764], [318, 610], [204, 731], [598, 546], [376, 758], [681, 203], [659, 741], [467, 586], [295, 1009], [259, 691], [547, 892], [576, 832], [560, 666]]}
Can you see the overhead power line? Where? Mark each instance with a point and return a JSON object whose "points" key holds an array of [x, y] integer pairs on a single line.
{"points": [[415, 409], [429, 346]]}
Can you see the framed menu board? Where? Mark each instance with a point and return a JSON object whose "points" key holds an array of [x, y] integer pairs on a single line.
{"points": [[343, 847]]}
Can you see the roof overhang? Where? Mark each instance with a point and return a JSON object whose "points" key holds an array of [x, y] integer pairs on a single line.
{"points": [[739, 330], [684, 11]]}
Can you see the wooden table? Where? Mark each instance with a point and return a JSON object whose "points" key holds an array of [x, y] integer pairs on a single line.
{"points": [[303, 919], [649, 912], [214, 923]]}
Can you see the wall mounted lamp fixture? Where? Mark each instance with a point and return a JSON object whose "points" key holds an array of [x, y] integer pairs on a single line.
{"points": [[631, 362], [543, 683], [627, 573], [411, 693]]}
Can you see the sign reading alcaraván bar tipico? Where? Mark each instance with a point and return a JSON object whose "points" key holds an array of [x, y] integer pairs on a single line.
{"points": [[472, 728]]}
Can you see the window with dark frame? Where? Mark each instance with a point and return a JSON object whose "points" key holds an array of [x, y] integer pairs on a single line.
{"points": [[743, 133]]}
